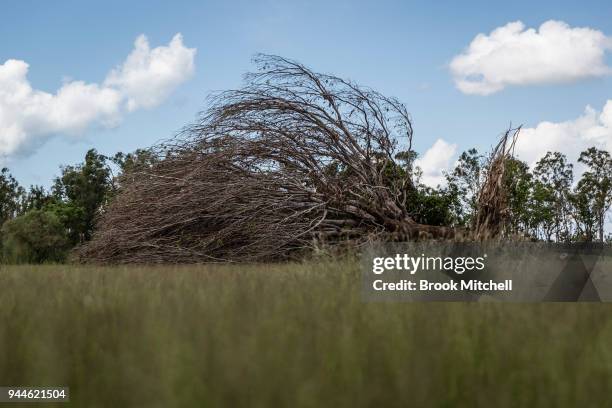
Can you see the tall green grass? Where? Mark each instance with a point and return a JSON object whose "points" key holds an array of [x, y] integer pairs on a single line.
{"points": [[288, 335]]}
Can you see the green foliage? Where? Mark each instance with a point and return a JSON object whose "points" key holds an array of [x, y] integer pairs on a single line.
{"points": [[10, 194], [540, 214], [583, 202], [35, 237], [135, 161], [84, 189], [541, 202], [426, 205], [36, 198], [431, 206], [407, 159], [41, 226], [72, 217], [464, 183], [595, 187], [519, 187], [554, 177]]}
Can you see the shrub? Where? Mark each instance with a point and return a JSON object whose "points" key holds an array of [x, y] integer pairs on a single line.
{"points": [[35, 237]]}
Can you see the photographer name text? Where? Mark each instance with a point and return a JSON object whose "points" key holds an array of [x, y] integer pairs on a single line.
{"points": [[426, 286], [453, 266]]}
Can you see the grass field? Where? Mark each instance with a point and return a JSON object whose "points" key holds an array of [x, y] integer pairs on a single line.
{"points": [[288, 335]]}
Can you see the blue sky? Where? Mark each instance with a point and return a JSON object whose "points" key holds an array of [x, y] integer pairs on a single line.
{"points": [[399, 48]]}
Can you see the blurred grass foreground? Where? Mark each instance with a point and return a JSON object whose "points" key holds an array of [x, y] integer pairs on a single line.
{"points": [[294, 335]]}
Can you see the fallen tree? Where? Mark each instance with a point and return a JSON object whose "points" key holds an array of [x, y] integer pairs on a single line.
{"points": [[293, 161], [492, 213]]}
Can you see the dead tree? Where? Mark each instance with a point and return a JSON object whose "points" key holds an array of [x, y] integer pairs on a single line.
{"points": [[492, 202], [293, 160]]}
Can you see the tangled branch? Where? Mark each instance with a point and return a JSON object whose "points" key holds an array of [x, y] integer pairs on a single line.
{"points": [[292, 161], [492, 203]]}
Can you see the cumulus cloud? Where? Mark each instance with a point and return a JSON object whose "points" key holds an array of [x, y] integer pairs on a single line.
{"points": [[28, 117], [437, 159], [149, 75], [571, 137], [513, 55]]}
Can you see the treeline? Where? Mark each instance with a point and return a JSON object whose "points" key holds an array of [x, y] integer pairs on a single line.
{"points": [[544, 203], [40, 225]]}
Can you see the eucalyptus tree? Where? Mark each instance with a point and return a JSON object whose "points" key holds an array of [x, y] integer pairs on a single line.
{"points": [[11, 194], [465, 181], [554, 175], [596, 186], [518, 185]]}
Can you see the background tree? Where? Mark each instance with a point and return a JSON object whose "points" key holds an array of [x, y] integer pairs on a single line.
{"points": [[406, 159], [426, 205], [10, 196], [80, 192], [583, 204], [130, 165], [597, 183], [555, 177], [40, 225], [36, 198], [518, 183], [434, 206], [541, 210], [35, 237], [464, 182]]}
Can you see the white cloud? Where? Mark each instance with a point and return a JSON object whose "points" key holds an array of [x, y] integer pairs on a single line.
{"points": [[148, 75], [571, 137], [513, 55], [28, 117], [437, 159]]}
